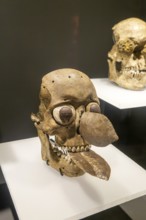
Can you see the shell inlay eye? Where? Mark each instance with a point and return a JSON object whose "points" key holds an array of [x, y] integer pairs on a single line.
{"points": [[64, 114], [93, 107]]}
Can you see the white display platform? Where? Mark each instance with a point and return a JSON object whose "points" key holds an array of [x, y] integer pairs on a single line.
{"points": [[117, 96], [40, 192]]}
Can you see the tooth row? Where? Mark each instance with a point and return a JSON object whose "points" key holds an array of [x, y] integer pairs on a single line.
{"points": [[77, 148], [133, 71], [64, 149]]}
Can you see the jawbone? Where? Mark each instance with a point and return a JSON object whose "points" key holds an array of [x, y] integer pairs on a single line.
{"points": [[73, 164], [132, 81]]}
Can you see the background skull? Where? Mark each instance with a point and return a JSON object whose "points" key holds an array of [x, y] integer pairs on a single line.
{"points": [[127, 58], [70, 110]]}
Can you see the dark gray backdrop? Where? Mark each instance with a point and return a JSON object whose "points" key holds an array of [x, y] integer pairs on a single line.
{"points": [[39, 36]]}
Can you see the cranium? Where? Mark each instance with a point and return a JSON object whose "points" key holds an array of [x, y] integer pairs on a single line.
{"points": [[127, 58], [70, 111]]}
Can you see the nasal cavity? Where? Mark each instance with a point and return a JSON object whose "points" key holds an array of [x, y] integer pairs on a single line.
{"points": [[78, 130], [118, 65]]}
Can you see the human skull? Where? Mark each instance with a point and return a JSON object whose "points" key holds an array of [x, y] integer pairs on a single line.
{"points": [[127, 58], [70, 111]]}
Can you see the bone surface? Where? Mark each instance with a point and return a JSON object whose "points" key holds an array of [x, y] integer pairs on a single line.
{"points": [[127, 58], [69, 110]]}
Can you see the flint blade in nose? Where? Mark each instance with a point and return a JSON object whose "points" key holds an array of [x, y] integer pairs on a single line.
{"points": [[97, 129]]}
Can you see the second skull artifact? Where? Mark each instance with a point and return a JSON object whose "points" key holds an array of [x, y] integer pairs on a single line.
{"points": [[127, 58], [70, 110]]}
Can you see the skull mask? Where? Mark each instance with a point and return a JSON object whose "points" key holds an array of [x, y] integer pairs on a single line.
{"points": [[69, 110], [127, 58]]}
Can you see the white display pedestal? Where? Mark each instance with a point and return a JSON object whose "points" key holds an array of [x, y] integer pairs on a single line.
{"points": [[40, 192], [123, 99], [117, 96]]}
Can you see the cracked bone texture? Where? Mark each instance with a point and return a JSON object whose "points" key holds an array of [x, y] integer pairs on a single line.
{"points": [[67, 100], [127, 58]]}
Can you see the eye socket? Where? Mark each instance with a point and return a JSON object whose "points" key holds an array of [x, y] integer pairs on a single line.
{"points": [[144, 50], [93, 107], [64, 115]]}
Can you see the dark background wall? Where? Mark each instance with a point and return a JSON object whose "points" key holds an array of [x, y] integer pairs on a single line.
{"points": [[37, 37]]}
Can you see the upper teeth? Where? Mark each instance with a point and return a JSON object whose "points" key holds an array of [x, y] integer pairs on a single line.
{"points": [[134, 70], [65, 149]]}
